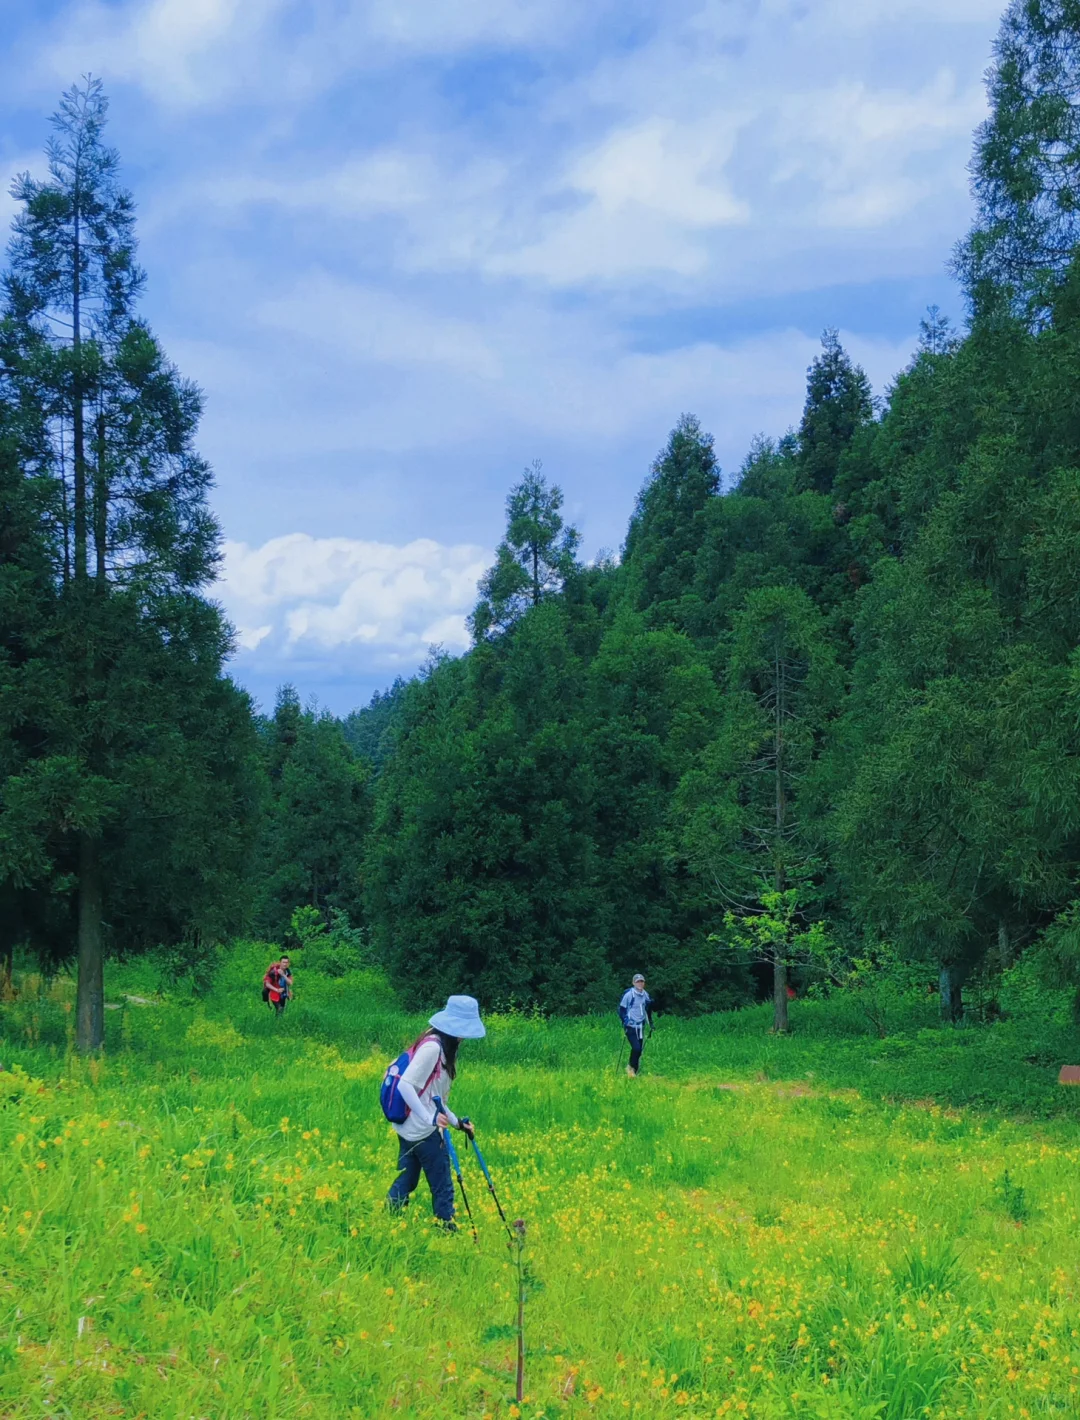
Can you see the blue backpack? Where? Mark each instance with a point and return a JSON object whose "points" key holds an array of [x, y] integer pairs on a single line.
{"points": [[393, 1106]]}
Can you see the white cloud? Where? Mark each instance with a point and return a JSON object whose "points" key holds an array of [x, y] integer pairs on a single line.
{"points": [[197, 53], [648, 190], [401, 440], [298, 595], [373, 325], [183, 52], [843, 12], [519, 364], [729, 155], [861, 152]]}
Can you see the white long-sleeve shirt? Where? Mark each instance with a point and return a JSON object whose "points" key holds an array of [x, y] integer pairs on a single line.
{"points": [[419, 1093], [637, 1005]]}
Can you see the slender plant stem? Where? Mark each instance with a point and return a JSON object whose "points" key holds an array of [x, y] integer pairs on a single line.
{"points": [[520, 1330]]}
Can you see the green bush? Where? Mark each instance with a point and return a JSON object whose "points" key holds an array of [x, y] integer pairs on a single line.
{"points": [[1026, 995], [330, 945]]}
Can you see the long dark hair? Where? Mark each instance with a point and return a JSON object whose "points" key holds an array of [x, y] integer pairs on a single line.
{"points": [[449, 1045]]}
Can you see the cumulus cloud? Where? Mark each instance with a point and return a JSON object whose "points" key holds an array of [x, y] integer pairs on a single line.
{"points": [[298, 596]]}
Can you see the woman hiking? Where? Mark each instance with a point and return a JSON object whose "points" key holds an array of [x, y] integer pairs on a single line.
{"points": [[428, 1076], [635, 1009]]}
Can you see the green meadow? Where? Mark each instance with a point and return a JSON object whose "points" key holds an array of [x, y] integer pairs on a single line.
{"points": [[828, 1225]]}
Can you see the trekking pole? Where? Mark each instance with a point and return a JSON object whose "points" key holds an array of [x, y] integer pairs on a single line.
{"points": [[457, 1169], [491, 1187]]}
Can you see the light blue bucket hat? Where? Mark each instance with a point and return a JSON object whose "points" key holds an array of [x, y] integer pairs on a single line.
{"points": [[461, 1018]]}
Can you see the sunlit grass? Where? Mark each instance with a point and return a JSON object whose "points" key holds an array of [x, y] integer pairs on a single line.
{"points": [[197, 1230]]}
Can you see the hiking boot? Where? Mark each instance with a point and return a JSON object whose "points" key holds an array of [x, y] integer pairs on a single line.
{"points": [[630, 1072]]}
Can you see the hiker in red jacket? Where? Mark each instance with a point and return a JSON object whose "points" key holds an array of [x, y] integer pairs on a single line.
{"points": [[275, 987]]}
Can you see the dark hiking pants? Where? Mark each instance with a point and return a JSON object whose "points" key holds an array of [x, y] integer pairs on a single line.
{"points": [[431, 1157], [636, 1036]]}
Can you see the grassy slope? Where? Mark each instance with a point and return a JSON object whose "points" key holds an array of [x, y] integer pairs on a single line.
{"points": [[788, 1246]]}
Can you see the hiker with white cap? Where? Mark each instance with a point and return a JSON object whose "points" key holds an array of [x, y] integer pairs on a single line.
{"points": [[420, 1076], [635, 1009]]}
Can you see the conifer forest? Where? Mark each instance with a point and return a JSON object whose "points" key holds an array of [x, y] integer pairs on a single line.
{"points": [[804, 751], [820, 710]]}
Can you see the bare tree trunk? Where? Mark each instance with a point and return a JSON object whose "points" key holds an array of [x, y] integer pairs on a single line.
{"points": [[780, 967], [64, 507], [90, 997], [780, 996], [77, 411], [950, 991], [90, 992], [101, 506], [1003, 947]]}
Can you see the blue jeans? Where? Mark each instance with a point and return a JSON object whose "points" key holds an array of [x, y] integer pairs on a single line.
{"points": [[636, 1036], [431, 1156]]}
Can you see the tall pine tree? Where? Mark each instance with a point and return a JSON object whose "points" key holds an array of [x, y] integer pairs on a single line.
{"points": [[838, 404], [534, 559], [150, 749]]}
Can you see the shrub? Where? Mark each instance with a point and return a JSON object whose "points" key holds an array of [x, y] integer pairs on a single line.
{"points": [[191, 965], [332, 948], [1014, 1199], [882, 986], [1027, 993]]}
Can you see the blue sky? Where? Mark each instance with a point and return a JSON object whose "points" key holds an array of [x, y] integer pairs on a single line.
{"points": [[408, 246]]}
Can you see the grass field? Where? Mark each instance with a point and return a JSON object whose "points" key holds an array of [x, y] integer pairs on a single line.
{"points": [[826, 1226]]}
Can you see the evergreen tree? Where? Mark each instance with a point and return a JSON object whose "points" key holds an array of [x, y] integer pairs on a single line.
{"points": [[838, 404], [71, 287], [316, 817], [668, 525], [768, 531], [1026, 166], [954, 763], [370, 730], [27, 612], [745, 825], [652, 708], [154, 748], [533, 561]]}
